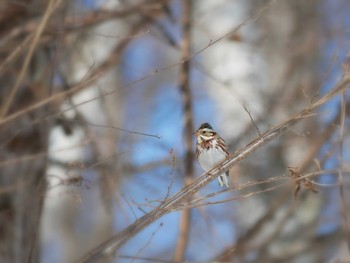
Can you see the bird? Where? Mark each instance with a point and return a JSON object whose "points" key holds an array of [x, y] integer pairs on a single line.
{"points": [[211, 149]]}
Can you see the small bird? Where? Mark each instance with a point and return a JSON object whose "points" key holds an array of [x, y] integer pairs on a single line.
{"points": [[211, 149]]}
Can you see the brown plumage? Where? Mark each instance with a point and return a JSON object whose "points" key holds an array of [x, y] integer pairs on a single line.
{"points": [[211, 149]]}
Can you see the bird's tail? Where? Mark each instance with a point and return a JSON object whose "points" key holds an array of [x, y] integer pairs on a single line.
{"points": [[224, 179]]}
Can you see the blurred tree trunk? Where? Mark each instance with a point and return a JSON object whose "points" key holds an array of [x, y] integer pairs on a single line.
{"points": [[262, 67], [23, 182]]}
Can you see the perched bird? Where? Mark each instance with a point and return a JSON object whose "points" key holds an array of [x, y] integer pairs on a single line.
{"points": [[211, 149]]}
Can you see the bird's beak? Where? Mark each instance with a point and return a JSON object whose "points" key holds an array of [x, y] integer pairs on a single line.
{"points": [[195, 133]]}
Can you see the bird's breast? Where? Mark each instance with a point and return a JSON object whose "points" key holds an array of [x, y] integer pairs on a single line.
{"points": [[210, 157]]}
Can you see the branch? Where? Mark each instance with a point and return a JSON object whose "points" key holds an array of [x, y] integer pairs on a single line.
{"points": [[240, 246], [96, 74], [108, 247], [52, 5], [91, 77]]}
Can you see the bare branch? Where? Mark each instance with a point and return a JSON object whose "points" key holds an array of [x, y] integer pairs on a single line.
{"points": [[252, 120], [115, 242], [114, 128], [51, 6]]}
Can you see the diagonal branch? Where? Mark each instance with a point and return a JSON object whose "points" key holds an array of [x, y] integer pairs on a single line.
{"points": [[52, 5], [96, 73], [107, 248], [239, 247]]}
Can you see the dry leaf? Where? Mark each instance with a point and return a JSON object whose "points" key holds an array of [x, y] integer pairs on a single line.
{"points": [[300, 182]]}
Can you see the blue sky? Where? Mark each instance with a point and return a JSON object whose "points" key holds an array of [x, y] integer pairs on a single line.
{"points": [[163, 115]]}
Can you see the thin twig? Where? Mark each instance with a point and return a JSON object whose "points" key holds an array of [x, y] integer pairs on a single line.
{"points": [[116, 241], [113, 127], [106, 159], [157, 260], [251, 184], [90, 78], [94, 76], [51, 6], [252, 120], [127, 202], [148, 243], [240, 197], [15, 53], [171, 174], [240, 246]]}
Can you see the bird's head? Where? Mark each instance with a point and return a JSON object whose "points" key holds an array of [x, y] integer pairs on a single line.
{"points": [[205, 132]]}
